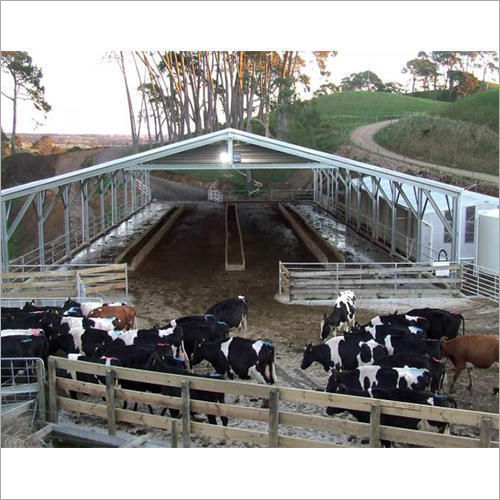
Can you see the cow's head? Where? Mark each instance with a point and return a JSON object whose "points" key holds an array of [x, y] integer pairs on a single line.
{"points": [[307, 358], [325, 328], [434, 348], [335, 386]]}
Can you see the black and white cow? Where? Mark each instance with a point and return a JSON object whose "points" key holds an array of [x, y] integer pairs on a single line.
{"points": [[435, 367], [233, 312], [343, 352], [245, 358], [400, 320], [405, 395], [442, 323], [371, 377], [396, 344], [342, 317], [380, 332]]}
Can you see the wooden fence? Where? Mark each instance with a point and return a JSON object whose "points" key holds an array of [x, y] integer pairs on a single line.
{"points": [[71, 282], [368, 280], [277, 420]]}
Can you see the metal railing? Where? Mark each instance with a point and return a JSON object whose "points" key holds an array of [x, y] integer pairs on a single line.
{"points": [[23, 381], [313, 280], [267, 195], [480, 281]]}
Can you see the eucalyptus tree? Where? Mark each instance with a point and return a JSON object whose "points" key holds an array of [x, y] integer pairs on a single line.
{"points": [[26, 78]]}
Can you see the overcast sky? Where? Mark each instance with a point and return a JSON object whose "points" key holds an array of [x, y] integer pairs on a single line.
{"points": [[87, 94]]}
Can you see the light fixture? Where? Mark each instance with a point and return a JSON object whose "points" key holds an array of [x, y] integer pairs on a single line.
{"points": [[224, 157]]}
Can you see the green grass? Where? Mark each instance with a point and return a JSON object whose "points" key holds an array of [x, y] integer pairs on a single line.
{"points": [[481, 108], [340, 114], [443, 141]]}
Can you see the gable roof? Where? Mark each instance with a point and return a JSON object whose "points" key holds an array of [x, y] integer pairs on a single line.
{"points": [[283, 155]]}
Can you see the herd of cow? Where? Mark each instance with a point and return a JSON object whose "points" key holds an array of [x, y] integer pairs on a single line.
{"points": [[395, 357]]}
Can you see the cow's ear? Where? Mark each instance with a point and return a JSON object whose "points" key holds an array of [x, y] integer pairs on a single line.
{"points": [[342, 389], [325, 316], [309, 346]]}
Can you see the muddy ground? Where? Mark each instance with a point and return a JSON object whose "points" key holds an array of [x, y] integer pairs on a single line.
{"points": [[185, 275]]}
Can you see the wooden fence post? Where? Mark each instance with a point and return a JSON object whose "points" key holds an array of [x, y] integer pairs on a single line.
{"points": [[52, 391], [375, 425], [174, 434], [274, 395], [186, 416], [485, 432], [110, 402], [42, 401]]}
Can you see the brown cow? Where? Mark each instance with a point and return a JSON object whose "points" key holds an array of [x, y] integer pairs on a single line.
{"points": [[124, 315], [480, 351]]}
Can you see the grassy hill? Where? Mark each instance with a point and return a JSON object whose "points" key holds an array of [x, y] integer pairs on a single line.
{"points": [[459, 144], [332, 118], [481, 108]]}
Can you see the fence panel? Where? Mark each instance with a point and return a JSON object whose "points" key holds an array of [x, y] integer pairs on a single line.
{"points": [[276, 418], [370, 280]]}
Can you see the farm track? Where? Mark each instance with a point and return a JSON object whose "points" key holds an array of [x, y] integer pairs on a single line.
{"points": [[364, 137]]}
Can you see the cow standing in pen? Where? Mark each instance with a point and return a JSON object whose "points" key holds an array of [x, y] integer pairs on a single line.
{"points": [[342, 317]]}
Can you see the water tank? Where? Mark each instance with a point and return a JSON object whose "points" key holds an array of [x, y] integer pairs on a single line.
{"points": [[487, 239]]}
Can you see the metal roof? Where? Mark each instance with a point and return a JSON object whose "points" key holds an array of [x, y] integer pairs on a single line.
{"points": [[263, 152]]}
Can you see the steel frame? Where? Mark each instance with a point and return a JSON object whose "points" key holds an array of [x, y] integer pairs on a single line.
{"points": [[334, 178]]}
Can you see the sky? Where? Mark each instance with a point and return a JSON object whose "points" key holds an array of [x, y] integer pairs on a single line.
{"points": [[87, 93]]}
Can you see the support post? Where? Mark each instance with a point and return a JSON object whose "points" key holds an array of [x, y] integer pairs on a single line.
{"points": [[110, 402], [418, 250], [134, 191], [114, 215], [126, 176], [273, 418], [375, 220], [485, 432], [174, 434], [5, 240], [375, 425], [186, 415], [456, 229], [101, 203], [85, 211], [42, 401], [52, 391], [65, 198], [394, 221], [40, 224]]}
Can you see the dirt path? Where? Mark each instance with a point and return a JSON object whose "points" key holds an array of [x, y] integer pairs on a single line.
{"points": [[363, 137]]}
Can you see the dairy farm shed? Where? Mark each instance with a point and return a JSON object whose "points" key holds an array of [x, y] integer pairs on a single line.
{"points": [[357, 226], [388, 208]]}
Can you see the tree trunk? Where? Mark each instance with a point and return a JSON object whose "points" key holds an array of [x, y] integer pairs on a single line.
{"points": [[14, 123], [135, 142]]}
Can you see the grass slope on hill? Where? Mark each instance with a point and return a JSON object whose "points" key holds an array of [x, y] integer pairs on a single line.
{"points": [[452, 143], [339, 114], [481, 108]]}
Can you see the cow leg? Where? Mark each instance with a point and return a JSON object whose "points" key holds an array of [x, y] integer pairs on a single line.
{"points": [[151, 409], [224, 421], [212, 419], [458, 371], [469, 370]]}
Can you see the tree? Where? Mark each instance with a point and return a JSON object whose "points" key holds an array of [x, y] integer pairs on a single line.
{"points": [[366, 80], [393, 88], [27, 85], [5, 145], [423, 69], [463, 83], [44, 146]]}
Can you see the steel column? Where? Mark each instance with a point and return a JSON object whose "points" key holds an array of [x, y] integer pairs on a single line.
{"points": [[394, 221], [374, 210], [101, 204], [456, 234], [40, 223], [5, 240], [85, 212], [418, 252], [348, 197], [65, 198], [134, 191], [114, 214], [126, 183]]}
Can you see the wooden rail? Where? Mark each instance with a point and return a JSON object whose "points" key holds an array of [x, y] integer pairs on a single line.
{"points": [[63, 283], [368, 280], [275, 417]]}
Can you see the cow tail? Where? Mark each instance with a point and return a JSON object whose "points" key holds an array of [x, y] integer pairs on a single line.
{"points": [[463, 325]]}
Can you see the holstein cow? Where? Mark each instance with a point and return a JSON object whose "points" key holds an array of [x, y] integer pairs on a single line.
{"points": [[162, 363], [371, 377], [396, 344], [400, 320], [405, 395], [442, 323], [124, 315], [342, 317], [435, 367], [343, 352], [480, 351], [245, 358], [233, 312]]}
